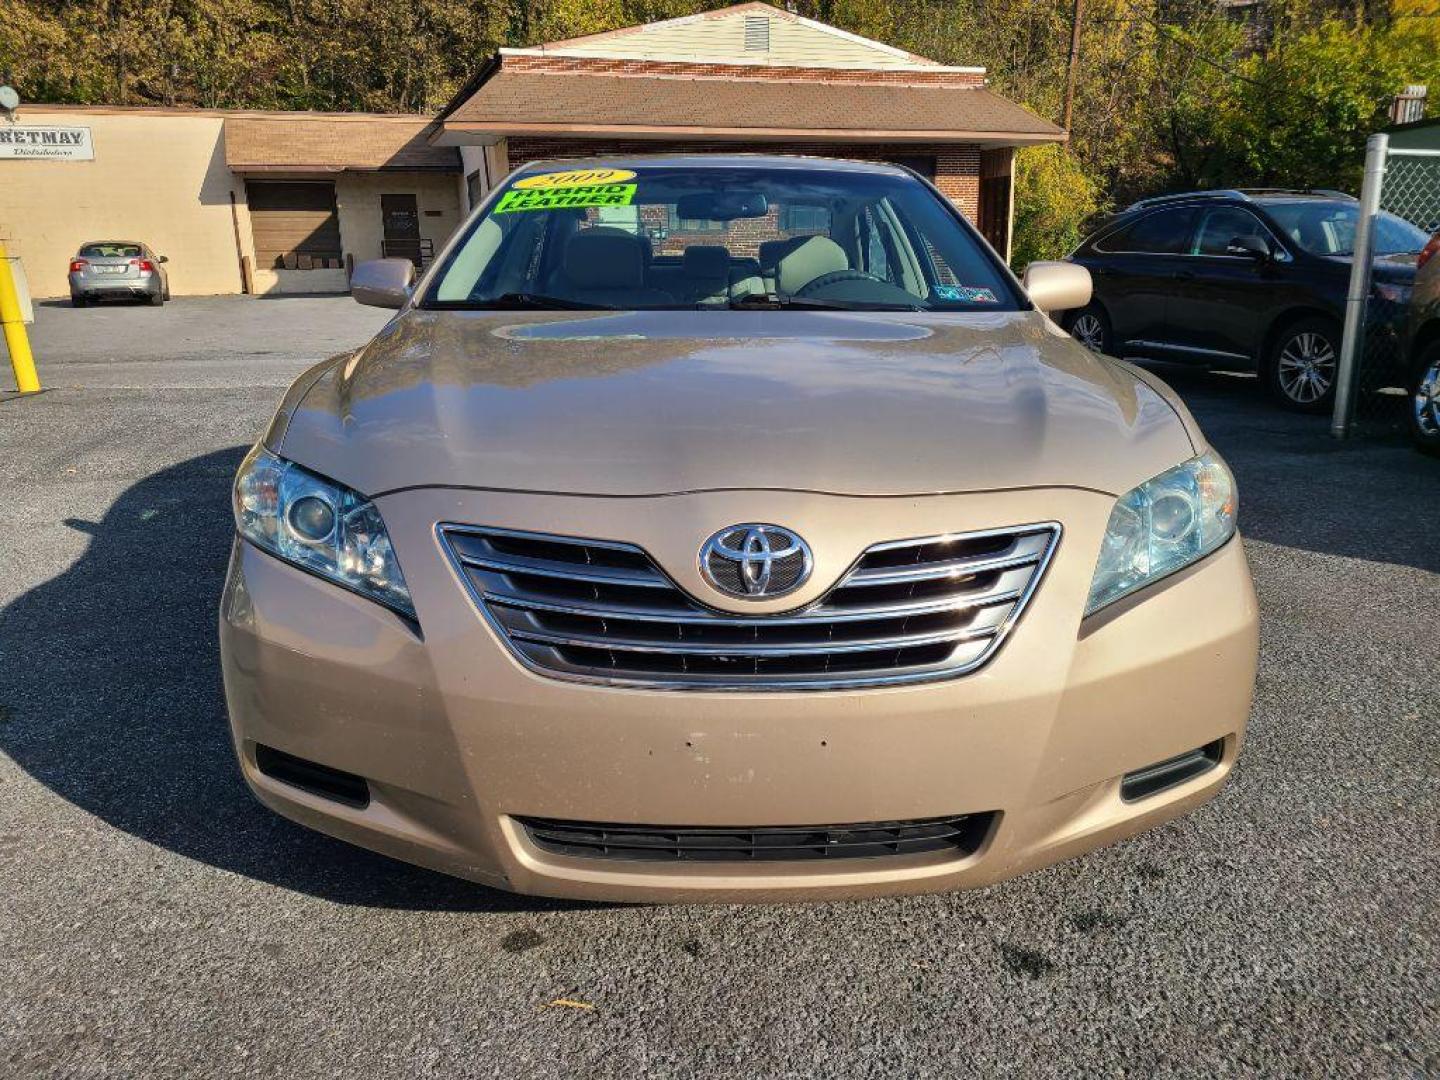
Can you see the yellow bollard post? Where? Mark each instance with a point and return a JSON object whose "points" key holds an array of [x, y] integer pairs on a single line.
{"points": [[16, 340]]}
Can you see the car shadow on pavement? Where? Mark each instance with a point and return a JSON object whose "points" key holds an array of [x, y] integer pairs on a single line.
{"points": [[1368, 497], [111, 696]]}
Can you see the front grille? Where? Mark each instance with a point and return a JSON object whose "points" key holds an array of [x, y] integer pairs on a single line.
{"points": [[907, 611], [960, 835]]}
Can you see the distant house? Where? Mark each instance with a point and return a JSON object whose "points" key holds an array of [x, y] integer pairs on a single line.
{"points": [[749, 77]]}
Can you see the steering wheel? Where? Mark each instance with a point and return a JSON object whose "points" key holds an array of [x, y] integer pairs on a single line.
{"points": [[836, 276]]}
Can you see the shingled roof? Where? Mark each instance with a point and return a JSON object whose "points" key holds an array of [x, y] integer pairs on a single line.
{"points": [[538, 103], [306, 142]]}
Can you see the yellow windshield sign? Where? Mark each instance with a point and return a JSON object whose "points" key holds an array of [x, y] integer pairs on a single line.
{"points": [[566, 198], [575, 178]]}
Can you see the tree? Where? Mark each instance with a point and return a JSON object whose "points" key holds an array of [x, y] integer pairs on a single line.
{"points": [[1299, 116], [1054, 198]]}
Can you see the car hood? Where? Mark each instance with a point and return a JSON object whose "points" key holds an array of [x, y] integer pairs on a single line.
{"points": [[1399, 268], [646, 403]]}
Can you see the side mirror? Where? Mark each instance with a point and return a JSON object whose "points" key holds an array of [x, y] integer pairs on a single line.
{"points": [[1058, 286], [383, 282], [1249, 247], [163, 258]]}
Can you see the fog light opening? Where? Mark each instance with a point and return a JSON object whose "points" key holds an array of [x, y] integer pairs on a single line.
{"points": [[1164, 775], [333, 784]]}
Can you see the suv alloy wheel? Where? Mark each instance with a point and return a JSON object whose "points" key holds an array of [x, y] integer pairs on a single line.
{"points": [[1091, 328], [1303, 364]]}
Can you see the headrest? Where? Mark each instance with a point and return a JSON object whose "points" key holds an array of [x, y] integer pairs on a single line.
{"points": [[616, 230], [815, 256], [706, 261], [605, 259]]}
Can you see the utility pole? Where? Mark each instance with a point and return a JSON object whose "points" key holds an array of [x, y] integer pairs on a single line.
{"points": [[1076, 15]]}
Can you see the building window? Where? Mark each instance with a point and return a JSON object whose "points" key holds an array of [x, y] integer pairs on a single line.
{"points": [[924, 164], [804, 219], [694, 225]]}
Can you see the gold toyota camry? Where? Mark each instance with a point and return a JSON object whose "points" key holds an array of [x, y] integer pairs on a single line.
{"points": [[728, 528]]}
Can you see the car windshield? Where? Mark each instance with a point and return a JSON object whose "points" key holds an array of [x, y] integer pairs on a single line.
{"points": [[689, 236], [1328, 228], [110, 249]]}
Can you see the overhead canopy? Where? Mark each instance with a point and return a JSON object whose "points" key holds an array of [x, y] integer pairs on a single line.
{"points": [[541, 103], [313, 143]]}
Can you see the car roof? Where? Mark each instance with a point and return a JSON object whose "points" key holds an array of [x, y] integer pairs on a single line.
{"points": [[717, 161], [1260, 196], [133, 243]]}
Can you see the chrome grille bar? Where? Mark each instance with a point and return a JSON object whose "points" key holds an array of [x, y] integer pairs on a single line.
{"points": [[602, 642], [1023, 551], [603, 611]]}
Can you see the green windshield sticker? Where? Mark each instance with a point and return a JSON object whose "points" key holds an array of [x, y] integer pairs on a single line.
{"points": [[566, 198]]}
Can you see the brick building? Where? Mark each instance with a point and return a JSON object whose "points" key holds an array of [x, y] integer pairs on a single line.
{"points": [[744, 78]]}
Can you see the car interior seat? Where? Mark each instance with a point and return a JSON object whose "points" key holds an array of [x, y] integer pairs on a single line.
{"points": [[706, 269], [770, 253], [812, 258], [607, 266]]}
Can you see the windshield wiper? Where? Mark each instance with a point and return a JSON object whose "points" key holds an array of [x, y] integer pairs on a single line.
{"points": [[775, 302], [511, 300]]}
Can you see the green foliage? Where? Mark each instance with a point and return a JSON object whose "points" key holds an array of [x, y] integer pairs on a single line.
{"points": [[1054, 197], [1300, 115], [1167, 96]]}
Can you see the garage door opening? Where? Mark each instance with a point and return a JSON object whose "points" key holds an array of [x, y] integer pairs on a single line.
{"points": [[295, 225]]}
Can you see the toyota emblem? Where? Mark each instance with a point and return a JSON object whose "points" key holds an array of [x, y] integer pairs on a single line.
{"points": [[756, 562]]}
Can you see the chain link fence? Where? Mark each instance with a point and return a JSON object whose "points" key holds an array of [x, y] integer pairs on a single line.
{"points": [[1375, 374]]}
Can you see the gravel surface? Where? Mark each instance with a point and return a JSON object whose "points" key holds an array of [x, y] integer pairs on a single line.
{"points": [[157, 921]]}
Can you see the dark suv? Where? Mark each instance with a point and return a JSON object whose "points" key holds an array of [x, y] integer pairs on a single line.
{"points": [[1239, 280]]}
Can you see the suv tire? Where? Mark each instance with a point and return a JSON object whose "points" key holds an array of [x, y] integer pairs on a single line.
{"points": [[1302, 367], [1422, 413], [1091, 327], [155, 299], [76, 300]]}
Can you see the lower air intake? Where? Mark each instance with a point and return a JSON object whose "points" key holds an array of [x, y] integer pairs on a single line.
{"points": [[1153, 779], [313, 777], [961, 835]]}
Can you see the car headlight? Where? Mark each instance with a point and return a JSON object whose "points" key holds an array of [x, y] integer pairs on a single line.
{"points": [[319, 525], [1163, 525]]}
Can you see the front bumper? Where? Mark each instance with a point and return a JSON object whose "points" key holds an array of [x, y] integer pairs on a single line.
{"points": [[457, 740]]}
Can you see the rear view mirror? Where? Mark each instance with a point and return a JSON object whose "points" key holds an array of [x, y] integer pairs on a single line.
{"points": [[1248, 247], [724, 206], [1058, 286], [383, 283]]}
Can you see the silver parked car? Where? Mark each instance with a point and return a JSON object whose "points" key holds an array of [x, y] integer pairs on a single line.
{"points": [[104, 268]]}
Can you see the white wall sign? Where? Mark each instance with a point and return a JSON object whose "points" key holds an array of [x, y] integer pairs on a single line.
{"points": [[45, 141]]}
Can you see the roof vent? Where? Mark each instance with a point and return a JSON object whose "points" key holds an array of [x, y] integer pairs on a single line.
{"points": [[757, 33]]}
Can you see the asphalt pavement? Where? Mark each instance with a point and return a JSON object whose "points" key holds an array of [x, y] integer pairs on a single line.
{"points": [[156, 921]]}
